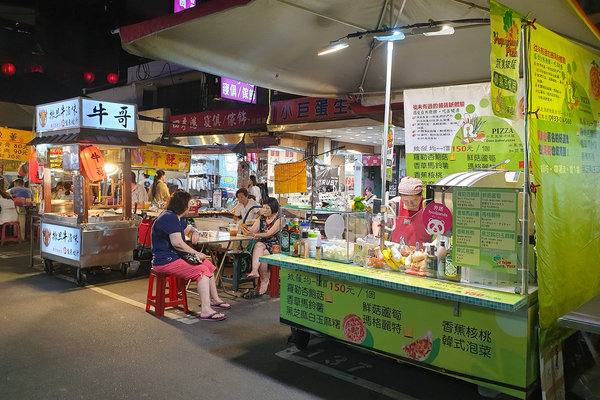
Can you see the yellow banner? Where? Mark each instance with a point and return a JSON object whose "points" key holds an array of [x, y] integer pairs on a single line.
{"points": [[504, 60], [565, 138], [290, 178], [13, 144], [161, 157]]}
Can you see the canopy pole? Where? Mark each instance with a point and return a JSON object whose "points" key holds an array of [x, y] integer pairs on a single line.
{"points": [[525, 220], [386, 122]]}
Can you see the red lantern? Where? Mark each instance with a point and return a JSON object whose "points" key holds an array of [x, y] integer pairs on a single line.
{"points": [[89, 76], [8, 69], [112, 78], [92, 163], [34, 168]]}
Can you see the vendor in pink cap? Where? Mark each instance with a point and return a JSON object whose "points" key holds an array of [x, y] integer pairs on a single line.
{"points": [[409, 223]]}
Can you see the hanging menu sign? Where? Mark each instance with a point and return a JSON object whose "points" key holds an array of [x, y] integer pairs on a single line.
{"points": [[290, 178], [486, 228], [13, 144]]}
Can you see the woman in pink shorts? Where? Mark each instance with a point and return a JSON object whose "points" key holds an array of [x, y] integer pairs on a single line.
{"points": [[168, 237]]}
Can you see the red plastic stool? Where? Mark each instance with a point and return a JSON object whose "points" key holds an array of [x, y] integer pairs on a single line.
{"points": [[171, 295], [16, 232]]}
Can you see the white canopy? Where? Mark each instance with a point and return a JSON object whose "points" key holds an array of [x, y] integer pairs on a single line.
{"points": [[274, 43]]}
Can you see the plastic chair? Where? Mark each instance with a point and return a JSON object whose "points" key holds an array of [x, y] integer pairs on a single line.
{"points": [[15, 232], [171, 295]]}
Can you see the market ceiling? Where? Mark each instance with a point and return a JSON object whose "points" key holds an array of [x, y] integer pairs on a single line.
{"points": [[274, 43]]}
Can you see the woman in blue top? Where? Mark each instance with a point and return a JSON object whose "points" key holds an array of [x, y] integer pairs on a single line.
{"points": [[168, 237], [266, 231]]}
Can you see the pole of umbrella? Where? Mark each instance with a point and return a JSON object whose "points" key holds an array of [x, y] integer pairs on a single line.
{"points": [[386, 123]]}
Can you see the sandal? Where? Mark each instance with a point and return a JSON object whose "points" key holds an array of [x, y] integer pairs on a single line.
{"points": [[222, 306], [212, 317], [253, 294]]}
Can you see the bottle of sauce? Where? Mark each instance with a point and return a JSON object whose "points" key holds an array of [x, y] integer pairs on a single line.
{"points": [[294, 233], [441, 255], [304, 245], [285, 239], [452, 271], [318, 247], [431, 269]]}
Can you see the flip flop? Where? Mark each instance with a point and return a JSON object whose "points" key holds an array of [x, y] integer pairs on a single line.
{"points": [[251, 295], [222, 306], [212, 317]]}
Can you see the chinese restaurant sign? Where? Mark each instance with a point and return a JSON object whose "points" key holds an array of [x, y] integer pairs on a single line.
{"points": [[236, 90], [480, 342], [453, 129], [566, 163], [85, 113], [290, 177], [62, 241], [180, 5], [208, 121], [161, 157], [309, 109], [485, 228], [13, 144], [506, 38]]}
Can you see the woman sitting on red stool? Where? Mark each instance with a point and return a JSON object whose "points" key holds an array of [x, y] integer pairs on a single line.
{"points": [[168, 237]]}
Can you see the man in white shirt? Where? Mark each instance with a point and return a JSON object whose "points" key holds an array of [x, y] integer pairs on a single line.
{"points": [[138, 193], [244, 204]]}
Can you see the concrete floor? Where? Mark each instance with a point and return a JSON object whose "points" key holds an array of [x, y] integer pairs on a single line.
{"points": [[60, 341]]}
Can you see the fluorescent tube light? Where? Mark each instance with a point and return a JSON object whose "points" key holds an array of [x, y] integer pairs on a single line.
{"points": [[396, 35], [444, 30], [333, 47]]}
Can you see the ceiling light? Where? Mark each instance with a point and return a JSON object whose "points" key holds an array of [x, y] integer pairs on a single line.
{"points": [[328, 131], [440, 31], [396, 35], [333, 47], [369, 127]]}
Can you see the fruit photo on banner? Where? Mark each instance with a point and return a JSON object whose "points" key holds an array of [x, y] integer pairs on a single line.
{"points": [[453, 129]]}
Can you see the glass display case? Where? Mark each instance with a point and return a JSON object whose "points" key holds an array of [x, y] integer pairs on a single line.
{"points": [[322, 233]]}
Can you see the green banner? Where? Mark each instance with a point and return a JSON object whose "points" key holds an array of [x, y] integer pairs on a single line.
{"points": [[486, 229], [453, 129], [565, 139], [474, 343], [504, 60]]}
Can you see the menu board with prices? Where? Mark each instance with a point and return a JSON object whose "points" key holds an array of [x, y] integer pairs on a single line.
{"points": [[291, 178], [13, 144], [486, 228]]}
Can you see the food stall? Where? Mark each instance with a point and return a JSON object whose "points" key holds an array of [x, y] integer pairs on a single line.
{"points": [[479, 327], [95, 228]]}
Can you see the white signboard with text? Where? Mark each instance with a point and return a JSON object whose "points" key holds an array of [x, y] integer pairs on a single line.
{"points": [[62, 241], [88, 113]]}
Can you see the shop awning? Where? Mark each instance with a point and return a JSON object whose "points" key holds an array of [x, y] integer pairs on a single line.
{"points": [[90, 137], [274, 43]]}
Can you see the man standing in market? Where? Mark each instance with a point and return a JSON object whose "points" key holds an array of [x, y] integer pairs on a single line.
{"points": [[138, 193], [409, 224], [245, 206]]}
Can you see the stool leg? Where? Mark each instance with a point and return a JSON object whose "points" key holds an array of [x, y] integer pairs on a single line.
{"points": [[159, 308], [150, 298]]}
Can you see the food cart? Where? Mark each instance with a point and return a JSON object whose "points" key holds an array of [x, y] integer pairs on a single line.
{"points": [[96, 227], [480, 328]]}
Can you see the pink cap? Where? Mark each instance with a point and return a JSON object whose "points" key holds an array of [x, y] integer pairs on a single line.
{"points": [[410, 186]]}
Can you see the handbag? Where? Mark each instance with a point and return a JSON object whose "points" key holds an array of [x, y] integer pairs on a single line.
{"points": [[190, 258]]}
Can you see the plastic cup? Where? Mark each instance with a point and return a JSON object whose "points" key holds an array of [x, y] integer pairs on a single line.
{"points": [[233, 230]]}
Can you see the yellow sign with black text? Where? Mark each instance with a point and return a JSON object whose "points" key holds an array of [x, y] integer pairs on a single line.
{"points": [[13, 144]]}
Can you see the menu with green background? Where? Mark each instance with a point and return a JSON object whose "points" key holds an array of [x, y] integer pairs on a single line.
{"points": [[486, 228]]}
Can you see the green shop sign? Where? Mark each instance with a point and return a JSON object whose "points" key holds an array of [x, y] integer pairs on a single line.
{"points": [[474, 343]]}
